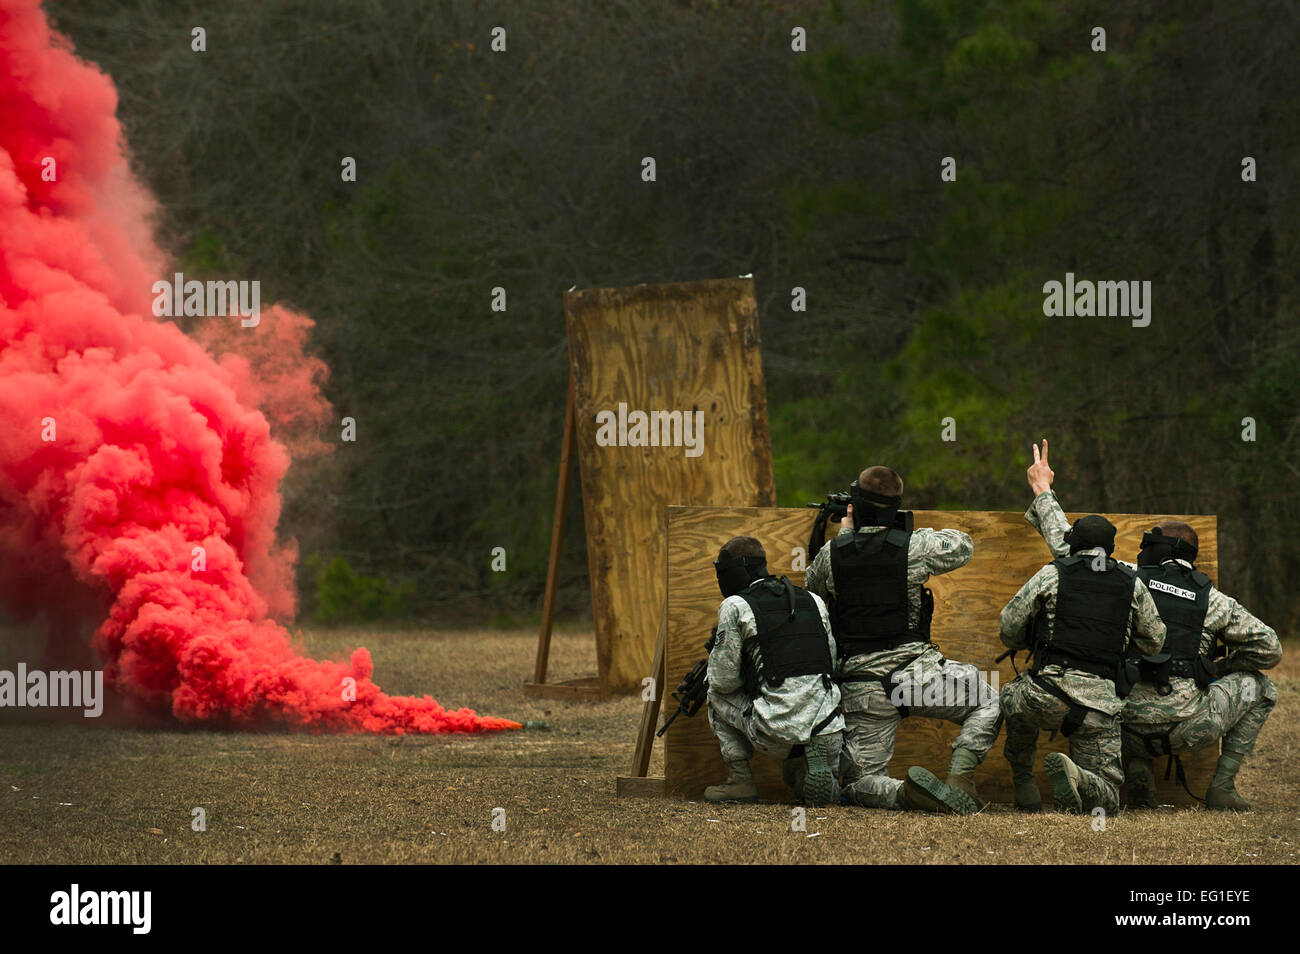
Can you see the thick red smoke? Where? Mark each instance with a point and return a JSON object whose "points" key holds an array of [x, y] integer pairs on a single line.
{"points": [[157, 447]]}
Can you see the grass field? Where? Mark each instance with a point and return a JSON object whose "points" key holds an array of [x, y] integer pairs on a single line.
{"points": [[94, 794]]}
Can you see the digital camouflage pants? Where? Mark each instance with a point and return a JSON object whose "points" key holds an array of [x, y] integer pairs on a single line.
{"points": [[1095, 746], [931, 687], [732, 720], [1232, 709]]}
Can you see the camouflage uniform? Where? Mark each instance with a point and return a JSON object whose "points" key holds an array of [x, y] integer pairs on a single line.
{"points": [[924, 680], [781, 717], [1095, 746], [1232, 708]]}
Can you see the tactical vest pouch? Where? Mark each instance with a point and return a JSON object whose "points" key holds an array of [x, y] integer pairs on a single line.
{"points": [[1157, 670], [1129, 674], [1203, 672]]}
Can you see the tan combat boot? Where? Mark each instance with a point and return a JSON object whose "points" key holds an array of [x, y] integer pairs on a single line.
{"points": [[1222, 795], [739, 786], [1065, 778], [1219, 800], [923, 792]]}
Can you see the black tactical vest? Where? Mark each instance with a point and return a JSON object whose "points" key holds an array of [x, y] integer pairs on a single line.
{"points": [[870, 610], [791, 639], [1091, 625], [1183, 598]]}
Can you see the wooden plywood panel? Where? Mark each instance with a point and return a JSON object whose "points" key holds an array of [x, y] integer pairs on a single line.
{"points": [[1008, 551], [684, 347]]}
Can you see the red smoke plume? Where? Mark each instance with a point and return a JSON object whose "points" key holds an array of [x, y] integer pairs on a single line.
{"points": [[157, 447]]}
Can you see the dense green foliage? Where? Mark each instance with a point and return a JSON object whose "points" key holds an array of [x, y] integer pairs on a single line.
{"points": [[342, 595], [819, 170]]}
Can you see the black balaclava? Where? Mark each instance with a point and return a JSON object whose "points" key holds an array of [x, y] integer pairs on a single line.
{"points": [[1091, 531], [1157, 547], [872, 509], [735, 573]]}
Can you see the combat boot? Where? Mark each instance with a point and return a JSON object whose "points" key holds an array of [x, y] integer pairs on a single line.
{"points": [[1222, 795], [1065, 779], [1141, 782], [923, 792], [739, 786], [1028, 797], [961, 773], [818, 781], [1221, 800]]}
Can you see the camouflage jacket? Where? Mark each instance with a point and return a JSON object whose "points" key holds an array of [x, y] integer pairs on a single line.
{"points": [[1251, 645], [788, 712], [930, 553], [1145, 632]]}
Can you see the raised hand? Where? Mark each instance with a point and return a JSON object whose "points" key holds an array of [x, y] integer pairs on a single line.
{"points": [[1040, 475]]}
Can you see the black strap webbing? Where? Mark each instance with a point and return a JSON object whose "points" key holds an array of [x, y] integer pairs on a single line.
{"points": [[1074, 716], [1149, 742], [1175, 761], [886, 682], [817, 729]]}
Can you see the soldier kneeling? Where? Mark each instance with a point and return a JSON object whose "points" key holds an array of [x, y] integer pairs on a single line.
{"points": [[771, 680]]}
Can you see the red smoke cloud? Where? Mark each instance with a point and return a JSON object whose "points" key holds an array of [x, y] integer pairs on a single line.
{"points": [[157, 446]]}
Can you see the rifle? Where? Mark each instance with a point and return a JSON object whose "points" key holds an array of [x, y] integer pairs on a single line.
{"points": [[837, 506], [693, 690], [1031, 643]]}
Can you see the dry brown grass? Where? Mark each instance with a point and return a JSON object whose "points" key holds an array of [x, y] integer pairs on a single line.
{"points": [[81, 793]]}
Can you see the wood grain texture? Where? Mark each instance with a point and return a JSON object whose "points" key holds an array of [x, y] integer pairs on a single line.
{"points": [[1008, 551], [688, 347]]}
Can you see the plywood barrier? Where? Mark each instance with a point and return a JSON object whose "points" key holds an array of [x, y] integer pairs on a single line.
{"points": [[680, 348], [1008, 551]]}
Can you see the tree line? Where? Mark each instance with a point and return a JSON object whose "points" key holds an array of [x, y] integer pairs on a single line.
{"points": [[822, 169]]}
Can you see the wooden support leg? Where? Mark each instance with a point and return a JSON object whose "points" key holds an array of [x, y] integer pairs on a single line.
{"points": [[645, 738], [557, 537], [636, 783]]}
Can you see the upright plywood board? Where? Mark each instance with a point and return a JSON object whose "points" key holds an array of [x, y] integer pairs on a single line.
{"points": [[684, 347], [968, 601]]}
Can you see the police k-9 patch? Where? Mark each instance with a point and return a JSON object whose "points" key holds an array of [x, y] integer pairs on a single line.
{"points": [[1171, 589]]}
